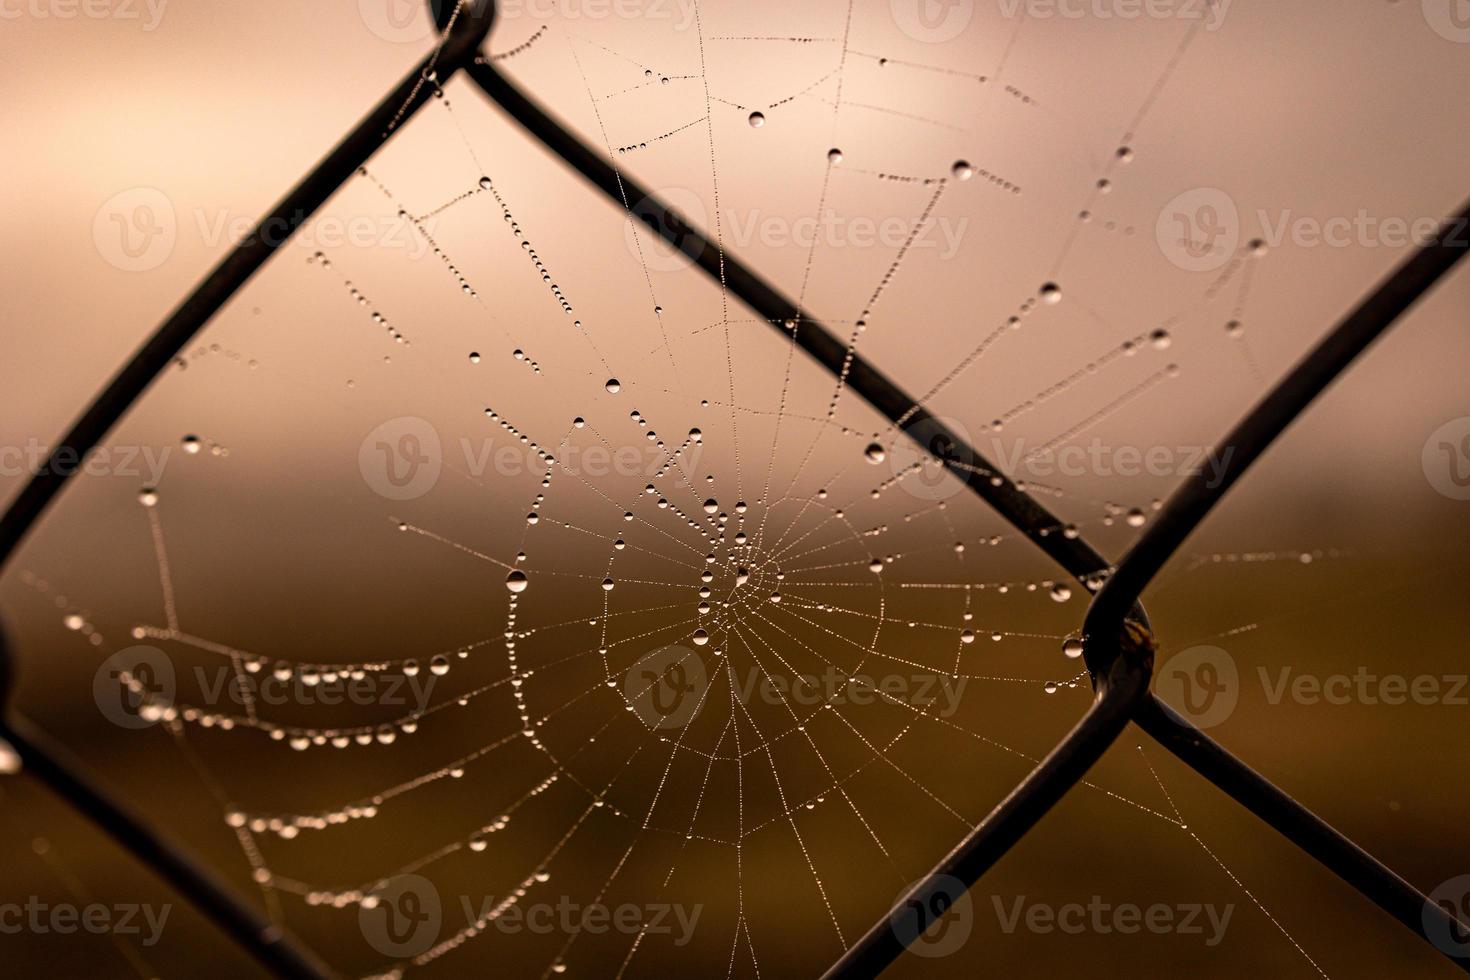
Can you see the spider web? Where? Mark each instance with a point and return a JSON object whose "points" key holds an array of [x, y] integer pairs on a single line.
{"points": [[713, 615]]}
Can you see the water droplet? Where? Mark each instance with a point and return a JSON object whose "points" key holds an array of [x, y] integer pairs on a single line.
{"points": [[700, 638], [439, 665], [962, 170], [1235, 329], [875, 566], [967, 636], [1160, 339], [474, 357], [478, 843], [533, 518], [1137, 518], [191, 445], [711, 505], [1072, 648], [875, 453], [1061, 592], [1051, 293], [757, 120], [516, 581], [73, 622], [607, 585], [834, 156], [612, 386], [1125, 153], [148, 497]]}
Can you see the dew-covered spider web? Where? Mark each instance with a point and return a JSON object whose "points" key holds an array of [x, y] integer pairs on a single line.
{"points": [[643, 608]]}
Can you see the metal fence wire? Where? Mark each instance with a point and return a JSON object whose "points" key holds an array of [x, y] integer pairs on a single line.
{"points": [[1119, 645]]}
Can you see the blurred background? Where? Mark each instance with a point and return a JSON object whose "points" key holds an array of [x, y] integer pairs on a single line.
{"points": [[336, 478]]}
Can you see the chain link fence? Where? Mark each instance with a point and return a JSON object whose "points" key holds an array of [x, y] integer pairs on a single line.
{"points": [[1119, 645]]}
